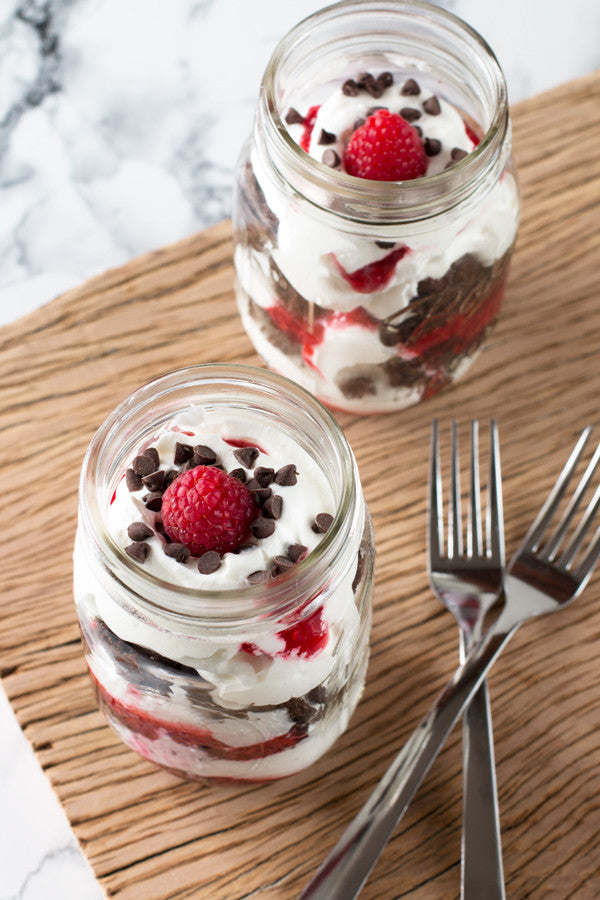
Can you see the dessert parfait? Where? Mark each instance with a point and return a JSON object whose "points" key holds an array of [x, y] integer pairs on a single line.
{"points": [[376, 208], [222, 574]]}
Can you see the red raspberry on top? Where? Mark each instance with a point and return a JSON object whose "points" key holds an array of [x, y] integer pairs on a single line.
{"points": [[385, 148], [207, 509]]}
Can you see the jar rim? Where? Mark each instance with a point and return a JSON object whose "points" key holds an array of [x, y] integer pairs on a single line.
{"points": [[236, 605], [384, 201]]}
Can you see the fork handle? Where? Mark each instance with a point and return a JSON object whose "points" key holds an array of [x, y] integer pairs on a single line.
{"points": [[481, 867], [347, 867]]}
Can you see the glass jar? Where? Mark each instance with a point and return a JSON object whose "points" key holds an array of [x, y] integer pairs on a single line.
{"points": [[250, 669], [374, 294]]}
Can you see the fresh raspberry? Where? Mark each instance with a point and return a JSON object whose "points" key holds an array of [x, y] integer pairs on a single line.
{"points": [[207, 509], [385, 148]]}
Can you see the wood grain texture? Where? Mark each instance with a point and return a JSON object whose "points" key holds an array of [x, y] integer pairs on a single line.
{"points": [[151, 836]]}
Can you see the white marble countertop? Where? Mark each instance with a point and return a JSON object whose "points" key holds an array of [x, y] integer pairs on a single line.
{"points": [[120, 124]]}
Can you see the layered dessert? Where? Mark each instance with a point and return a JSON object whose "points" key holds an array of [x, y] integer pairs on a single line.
{"points": [[372, 317], [215, 503]]}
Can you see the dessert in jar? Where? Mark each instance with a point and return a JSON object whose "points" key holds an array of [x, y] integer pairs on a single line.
{"points": [[223, 574], [376, 206]]}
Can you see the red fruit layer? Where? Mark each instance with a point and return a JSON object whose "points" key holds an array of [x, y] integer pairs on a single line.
{"points": [[374, 276], [461, 329], [299, 330], [306, 638], [150, 727], [309, 124]]}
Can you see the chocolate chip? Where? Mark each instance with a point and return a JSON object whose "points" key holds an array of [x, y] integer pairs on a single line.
{"points": [[247, 456], [296, 552], [410, 88], [286, 475], [331, 159], [156, 481], [143, 465], [133, 480], [385, 245], [409, 114], [432, 146], [138, 551], [281, 564], [178, 551], [264, 476], [153, 501], [350, 88], [363, 78], [259, 577], [358, 124], [374, 88], [272, 507], [183, 452], [170, 477], [386, 79], [322, 523], [139, 531], [160, 527], [327, 137], [240, 474], [152, 452], [432, 106], [373, 109], [262, 528], [419, 130], [259, 493], [203, 455], [457, 153], [209, 562], [293, 117]]}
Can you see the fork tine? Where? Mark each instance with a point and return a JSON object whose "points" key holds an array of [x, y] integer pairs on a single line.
{"points": [[495, 509], [454, 516], [436, 515], [544, 517], [555, 541], [474, 532], [582, 529], [586, 567]]}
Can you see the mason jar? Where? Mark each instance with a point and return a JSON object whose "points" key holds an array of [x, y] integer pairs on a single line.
{"points": [[375, 294], [244, 664]]}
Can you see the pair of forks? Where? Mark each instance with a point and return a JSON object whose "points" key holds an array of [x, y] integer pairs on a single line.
{"points": [[544, 575]]}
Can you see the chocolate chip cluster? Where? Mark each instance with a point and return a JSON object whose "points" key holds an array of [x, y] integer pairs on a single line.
{"points": [[146, 472], [375, 87]]}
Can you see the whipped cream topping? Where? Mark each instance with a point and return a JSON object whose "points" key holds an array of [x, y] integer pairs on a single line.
{"points": [[437, 119], [302, 501]]}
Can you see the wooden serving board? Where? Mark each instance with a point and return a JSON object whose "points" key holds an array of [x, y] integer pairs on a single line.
{"points": [[149, 835]]}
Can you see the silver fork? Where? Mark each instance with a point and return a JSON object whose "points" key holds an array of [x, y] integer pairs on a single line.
{"points": [[468, 580], [540, 580]]}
